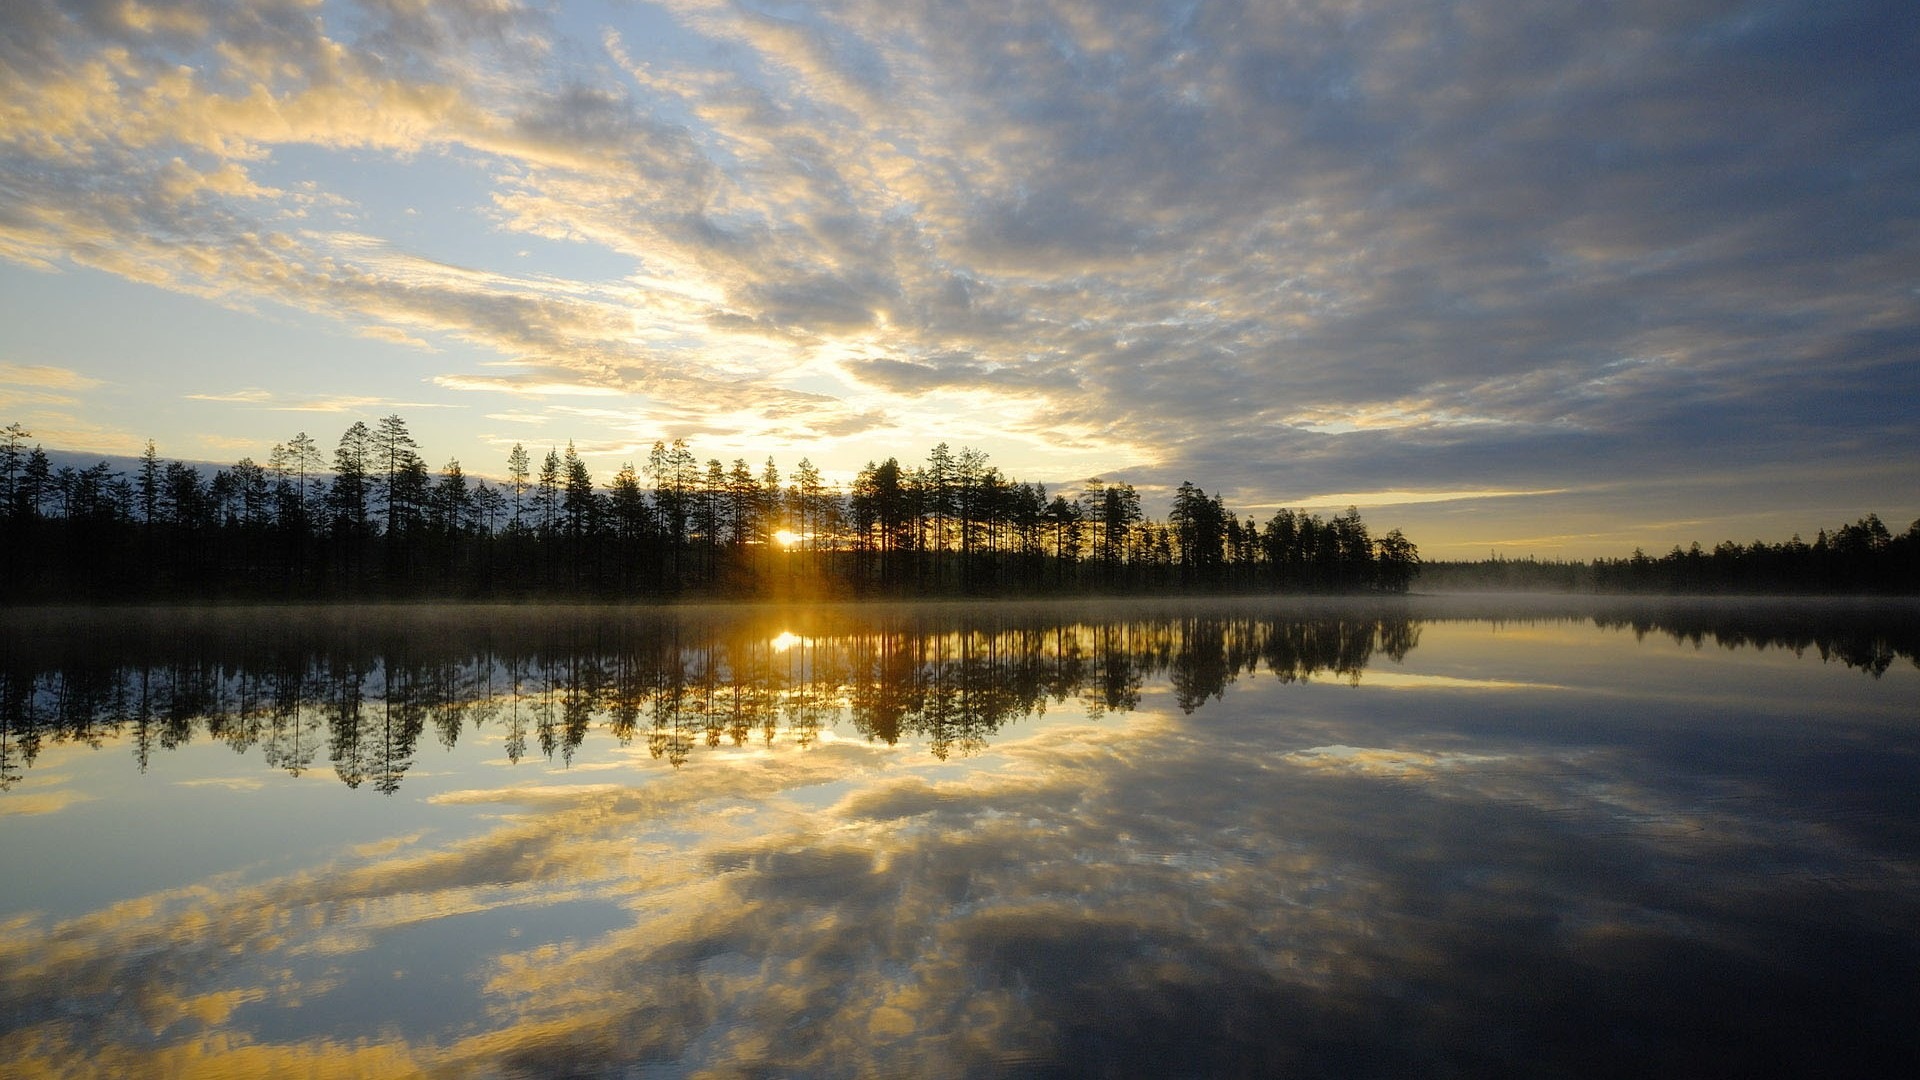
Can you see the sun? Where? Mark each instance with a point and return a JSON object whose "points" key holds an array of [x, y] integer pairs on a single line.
{"points": [[787, 538]]}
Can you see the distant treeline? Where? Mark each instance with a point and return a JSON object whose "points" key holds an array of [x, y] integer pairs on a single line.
{"points": [[1864, 557], [370, 521]]}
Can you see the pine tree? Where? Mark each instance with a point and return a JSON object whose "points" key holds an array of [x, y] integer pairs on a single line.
{"points": [[742, 493], [393, 451], [577, 501], [629, 505], [11, 460], [807, 503], [147, 486], [453, 504], [347, 497], [519, 475], [547, 496]]}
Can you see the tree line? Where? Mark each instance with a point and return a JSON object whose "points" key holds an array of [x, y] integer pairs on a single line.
{"points": [[1861, 557], [371, 520]]}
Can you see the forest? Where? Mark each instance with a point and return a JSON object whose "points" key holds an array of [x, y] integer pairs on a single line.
{"points": [[1863, 557], [371, 521]]}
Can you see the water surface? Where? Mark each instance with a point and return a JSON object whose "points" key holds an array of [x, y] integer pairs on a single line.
{"points": [[1307, 838]]}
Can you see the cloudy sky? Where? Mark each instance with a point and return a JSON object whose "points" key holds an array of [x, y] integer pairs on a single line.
{"points": [[1537, 277]]}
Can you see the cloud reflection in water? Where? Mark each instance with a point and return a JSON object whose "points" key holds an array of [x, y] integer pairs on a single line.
{"points": [[1291, 877]]}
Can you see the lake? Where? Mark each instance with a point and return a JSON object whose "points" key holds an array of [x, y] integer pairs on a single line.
{"points": [[1433, 836]]}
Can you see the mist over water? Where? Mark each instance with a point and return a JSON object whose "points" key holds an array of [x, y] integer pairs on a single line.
{"points": [[1245, 837]]}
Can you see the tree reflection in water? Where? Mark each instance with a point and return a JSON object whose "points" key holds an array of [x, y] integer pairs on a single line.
{"points": [[368, 683], [1548, 852]]}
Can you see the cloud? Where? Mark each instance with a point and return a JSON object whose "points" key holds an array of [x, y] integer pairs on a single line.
{"points": [[395, 335], [252, 395], [917, 379], [39, 803], [231, 783], [524, 386], [1079, 882], [45, 377], [276, 402], [1400, 247], [1370, 761], [1404, 498], [76, 432]]}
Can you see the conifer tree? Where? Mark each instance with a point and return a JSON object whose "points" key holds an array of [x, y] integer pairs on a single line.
{"points": [[546, 496], [577, 500], [12, 457], [519, 475], [393, 450], [347, 496], [147, 487]]}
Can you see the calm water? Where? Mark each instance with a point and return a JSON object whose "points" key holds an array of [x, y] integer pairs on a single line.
{"points": [[1452, 837]]}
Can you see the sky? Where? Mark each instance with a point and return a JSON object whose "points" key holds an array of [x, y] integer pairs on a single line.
{"points": [[1545, 278]]}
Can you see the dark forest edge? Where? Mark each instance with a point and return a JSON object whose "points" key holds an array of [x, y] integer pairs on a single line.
{"points": [[1859, 558], [371, 522]]}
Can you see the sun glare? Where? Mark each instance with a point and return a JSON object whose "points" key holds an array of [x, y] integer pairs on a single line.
{"points": [[787, 538], [787, 640]]}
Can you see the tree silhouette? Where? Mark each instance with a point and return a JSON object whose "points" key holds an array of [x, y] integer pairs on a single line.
{"points": [[518, 477], [391, 450], [545, 492], [347, 494], [373, 522], [36, 483], [13, 441], [1397, 562], [148, 484]]}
